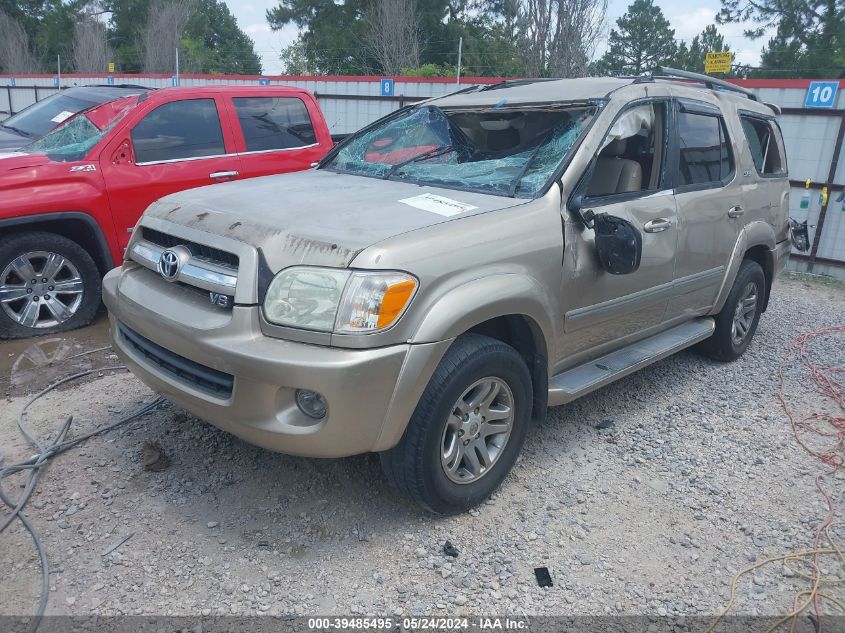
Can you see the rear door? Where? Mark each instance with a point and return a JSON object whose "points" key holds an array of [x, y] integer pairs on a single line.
{"points": [[767, 199], [276, 133], [174, 146], [710, 205]]}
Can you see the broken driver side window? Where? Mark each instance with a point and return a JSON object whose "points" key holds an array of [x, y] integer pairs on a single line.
{"points": [[631, 157]]}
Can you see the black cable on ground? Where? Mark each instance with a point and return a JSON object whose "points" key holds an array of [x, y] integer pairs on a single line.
{"points": [[40, 459]]}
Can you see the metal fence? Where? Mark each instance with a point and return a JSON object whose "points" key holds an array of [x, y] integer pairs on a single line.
{"points": [[813, 136]]}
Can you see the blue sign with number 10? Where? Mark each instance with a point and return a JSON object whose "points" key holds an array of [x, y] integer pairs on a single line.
{"points": [[821, 94]]}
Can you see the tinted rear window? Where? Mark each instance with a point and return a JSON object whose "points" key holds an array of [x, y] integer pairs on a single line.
{"points": [[704, 154], [178, 130], [270, 123]]}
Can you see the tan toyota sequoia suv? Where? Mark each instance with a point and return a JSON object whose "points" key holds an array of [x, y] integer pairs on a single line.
{"points": [[450, 271]]}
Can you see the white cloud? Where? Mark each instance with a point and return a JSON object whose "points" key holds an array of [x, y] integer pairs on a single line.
{"points": [[252, 29]]}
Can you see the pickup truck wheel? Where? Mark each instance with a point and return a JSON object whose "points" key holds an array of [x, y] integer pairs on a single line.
{"points": [[467, 429], [737, 321], [48, 284]]}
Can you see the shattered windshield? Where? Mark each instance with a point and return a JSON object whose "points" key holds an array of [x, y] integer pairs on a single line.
{"points": [[507, 152], [75, 138]]}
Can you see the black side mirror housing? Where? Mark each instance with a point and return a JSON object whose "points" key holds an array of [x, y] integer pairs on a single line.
{"points": [[576, 200], [799, 235], [619, 244]]}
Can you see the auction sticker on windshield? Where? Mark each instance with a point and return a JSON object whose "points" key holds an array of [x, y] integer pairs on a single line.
{"points": [[62, 116], [438, 204]]}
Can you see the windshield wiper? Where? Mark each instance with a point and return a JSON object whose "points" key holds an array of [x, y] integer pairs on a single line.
{"points": [[432, 153], [524, 169], [17, 130]]}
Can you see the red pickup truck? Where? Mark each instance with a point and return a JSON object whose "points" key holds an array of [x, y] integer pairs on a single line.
{"points": [[69, 201]]}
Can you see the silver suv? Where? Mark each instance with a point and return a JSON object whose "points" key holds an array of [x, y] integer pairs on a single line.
{"points": [[449, 272]]}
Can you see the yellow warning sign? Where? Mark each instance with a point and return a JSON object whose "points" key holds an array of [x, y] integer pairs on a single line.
{"points": [[718, 62], [111, 67]]}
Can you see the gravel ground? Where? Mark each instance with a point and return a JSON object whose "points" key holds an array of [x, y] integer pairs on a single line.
{"points": [[643, 498]]}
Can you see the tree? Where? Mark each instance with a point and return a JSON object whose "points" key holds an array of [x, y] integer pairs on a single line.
{"points": [[692, 58], [15, 54], [91, 51], [644, 40], [334, 34], [331, 32], [393, 35], [809, 39], [213, 42], [557, 37], [294, 59], [165, 26]]}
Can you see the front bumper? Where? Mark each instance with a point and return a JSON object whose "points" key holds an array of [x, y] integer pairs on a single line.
{"points": [[370, 393]]}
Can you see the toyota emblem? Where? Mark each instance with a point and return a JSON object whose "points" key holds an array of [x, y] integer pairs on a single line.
{"points": [[168, 265]]}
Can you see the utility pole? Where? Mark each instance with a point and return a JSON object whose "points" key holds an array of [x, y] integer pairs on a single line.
{"points": [[59, 70], [460, 50], [177, 65]]}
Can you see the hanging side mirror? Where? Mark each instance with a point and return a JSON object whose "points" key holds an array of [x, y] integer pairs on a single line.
{"points": [[799, 235], [619, 244]]}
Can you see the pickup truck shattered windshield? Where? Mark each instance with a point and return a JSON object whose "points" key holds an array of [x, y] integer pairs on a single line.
{"points": [[74, 139], [506, 152]]}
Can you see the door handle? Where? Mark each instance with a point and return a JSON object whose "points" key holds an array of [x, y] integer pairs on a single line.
{"points": [[735, 211], [217, 175], [657, 225]]}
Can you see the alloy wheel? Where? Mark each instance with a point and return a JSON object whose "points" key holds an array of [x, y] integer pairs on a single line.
{"points": [[40, 289], [746, 309], [477, 430]]}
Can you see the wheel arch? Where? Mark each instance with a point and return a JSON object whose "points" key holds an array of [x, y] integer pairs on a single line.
{"points": [[756, 241], [764, 256], [509, 307], [78, 226], [524, 334]]}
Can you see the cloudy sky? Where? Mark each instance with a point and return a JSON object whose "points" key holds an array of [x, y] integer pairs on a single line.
{"points": [[687, 22]]}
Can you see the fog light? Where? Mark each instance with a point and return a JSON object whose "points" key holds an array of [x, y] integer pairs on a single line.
{"points": [[311, 403]]}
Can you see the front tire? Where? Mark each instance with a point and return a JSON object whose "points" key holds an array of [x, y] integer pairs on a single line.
{"points": [[48, 284], [738, 319], [467, 429]]}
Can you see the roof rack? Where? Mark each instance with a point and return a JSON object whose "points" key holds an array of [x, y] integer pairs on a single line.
{"points": [[710, 82], [133, 86]]}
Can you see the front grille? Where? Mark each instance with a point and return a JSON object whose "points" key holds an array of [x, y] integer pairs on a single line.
{"points": [[200, 251], [206, 379]]}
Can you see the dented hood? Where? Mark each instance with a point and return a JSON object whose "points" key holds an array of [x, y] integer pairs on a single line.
{"points": [[319, 217]]}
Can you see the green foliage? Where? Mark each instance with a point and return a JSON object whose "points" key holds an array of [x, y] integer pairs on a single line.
{"points": [[692, 57], [644, 39], [430, 70], [333, 32], [294, 60], [212, 41], [809, 40]]}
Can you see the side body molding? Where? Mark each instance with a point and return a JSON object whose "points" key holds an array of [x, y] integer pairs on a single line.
{"points": [[756, 233]]}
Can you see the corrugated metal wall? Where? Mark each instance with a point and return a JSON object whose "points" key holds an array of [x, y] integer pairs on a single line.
{"points": [[337, 95], [349, 103]]}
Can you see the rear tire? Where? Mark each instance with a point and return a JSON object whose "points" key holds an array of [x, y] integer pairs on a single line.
{"points": [[56, 270], [467, 429], [738, 319]]}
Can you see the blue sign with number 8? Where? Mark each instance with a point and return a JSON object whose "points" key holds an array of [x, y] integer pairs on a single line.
{"points": [[821, 94]]}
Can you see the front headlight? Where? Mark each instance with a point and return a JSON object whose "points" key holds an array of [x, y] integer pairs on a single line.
{"points": [[342, 301]]}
